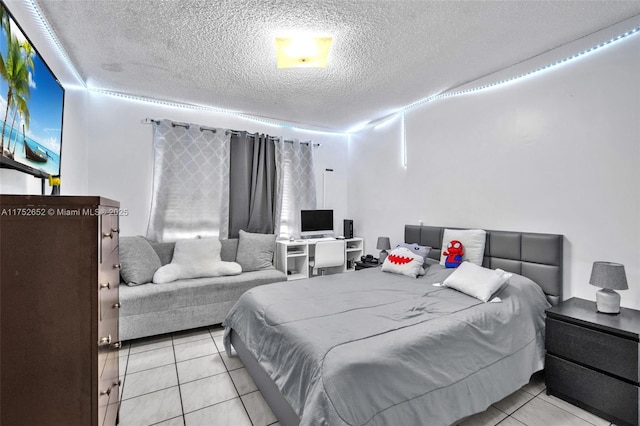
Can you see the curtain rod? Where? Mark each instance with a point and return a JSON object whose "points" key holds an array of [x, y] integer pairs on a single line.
{"points": [[233, 132]]}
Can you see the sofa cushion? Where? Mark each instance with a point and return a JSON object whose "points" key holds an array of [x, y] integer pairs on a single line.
{"points": [[192, 292], [255, 251], [164, 251], [138, 260], [229, 249]]}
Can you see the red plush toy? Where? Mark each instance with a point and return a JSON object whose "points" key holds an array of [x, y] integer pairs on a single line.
{"points": [[454, 254]]}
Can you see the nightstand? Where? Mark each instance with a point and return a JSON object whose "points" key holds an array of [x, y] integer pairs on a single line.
{"points": [[592, 359]]}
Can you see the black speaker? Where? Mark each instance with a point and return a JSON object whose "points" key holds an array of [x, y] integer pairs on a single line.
{"points": [[348, 228]]}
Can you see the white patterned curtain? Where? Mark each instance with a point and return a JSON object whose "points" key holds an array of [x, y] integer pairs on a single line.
{"points": [[190, 182], [296, 185]]}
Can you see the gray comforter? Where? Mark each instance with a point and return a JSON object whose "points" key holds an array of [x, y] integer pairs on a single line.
{"points": [[374, 348]]}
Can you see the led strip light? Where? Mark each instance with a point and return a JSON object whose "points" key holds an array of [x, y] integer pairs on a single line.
{"points": [[52, 38], [524, 75], [355, 129]]}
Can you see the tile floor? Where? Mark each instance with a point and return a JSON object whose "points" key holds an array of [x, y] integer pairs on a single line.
{"points": [[187, 379]]}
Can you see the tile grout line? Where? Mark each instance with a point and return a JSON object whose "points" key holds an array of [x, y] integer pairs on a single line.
{"points": [[574, 415], [240, 398], [174, 356], [164, 347], [234, 384], [175, 364], [213, 405], [124, 378]]}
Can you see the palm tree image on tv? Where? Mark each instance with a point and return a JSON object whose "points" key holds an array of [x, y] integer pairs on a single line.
{"points": [[31, 102]]}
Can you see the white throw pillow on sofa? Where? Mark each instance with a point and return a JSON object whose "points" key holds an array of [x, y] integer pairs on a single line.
{"points": [[167, 273], [196, 259]]}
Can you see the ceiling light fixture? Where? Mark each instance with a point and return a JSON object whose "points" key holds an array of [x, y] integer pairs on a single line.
{"points": [[303, 51]]}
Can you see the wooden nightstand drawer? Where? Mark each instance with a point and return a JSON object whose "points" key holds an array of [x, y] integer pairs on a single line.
{"points": [[592, 359], [606, 352], [592, 390]]}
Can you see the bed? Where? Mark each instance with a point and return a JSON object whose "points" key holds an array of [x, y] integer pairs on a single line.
{"points": [[374, 348]]}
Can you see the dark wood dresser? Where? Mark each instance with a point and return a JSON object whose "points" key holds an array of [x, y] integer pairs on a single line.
{"points": [[59, 276], [592, 359]]}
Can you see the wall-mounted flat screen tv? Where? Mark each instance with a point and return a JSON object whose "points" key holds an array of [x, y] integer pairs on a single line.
{"points": [[31, 105]]}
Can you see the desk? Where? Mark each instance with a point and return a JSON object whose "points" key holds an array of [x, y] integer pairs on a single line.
{"points": [[292, 257]]}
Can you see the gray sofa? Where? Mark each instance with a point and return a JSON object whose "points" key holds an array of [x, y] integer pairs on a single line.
{"points": [[149, 309]]}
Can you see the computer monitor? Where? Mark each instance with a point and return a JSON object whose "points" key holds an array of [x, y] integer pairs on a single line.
{"points": [[316, 223]]}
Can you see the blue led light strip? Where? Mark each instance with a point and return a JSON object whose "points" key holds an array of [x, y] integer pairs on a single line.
{"points": [[55, 41], [174, 104], [404, 142], [521, 76], [371, 123]]}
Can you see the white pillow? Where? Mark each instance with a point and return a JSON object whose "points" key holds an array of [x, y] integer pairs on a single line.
{"points": [[472, 240], [167, 273], [403, 261], [476, 281], [196, 259]]}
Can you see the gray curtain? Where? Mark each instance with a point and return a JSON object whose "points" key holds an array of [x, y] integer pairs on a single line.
{"points": [[252, 184], [190, 195], [296, 185]]}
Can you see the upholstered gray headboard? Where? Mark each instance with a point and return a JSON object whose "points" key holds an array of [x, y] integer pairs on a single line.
{"points": [[535, 256]]}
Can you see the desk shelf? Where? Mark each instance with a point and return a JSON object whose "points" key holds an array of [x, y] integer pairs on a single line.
{"points": [[354, 251], [292, 257]]}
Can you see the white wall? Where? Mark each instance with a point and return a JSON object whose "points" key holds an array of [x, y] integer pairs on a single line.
{"points": [[121, 157], [558, 152]]}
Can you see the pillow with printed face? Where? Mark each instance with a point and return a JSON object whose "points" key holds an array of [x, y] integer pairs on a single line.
{"points": [[473, 241], [417, 249], [403, 261]]}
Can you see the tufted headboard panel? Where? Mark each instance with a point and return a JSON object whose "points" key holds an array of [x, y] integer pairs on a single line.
{"points": [[538, 257]]}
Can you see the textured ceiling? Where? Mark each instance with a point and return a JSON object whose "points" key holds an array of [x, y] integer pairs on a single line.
{"points": [[385, 54]]}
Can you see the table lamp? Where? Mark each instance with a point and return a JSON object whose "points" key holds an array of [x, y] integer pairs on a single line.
{"points": [[609, 277], [383, 244]]}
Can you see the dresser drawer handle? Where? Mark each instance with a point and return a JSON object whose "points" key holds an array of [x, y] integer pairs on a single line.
{"points": [[107, 234], [105, 341], [114, 230], [105, 286], [108, 391], [116, 266], [117, 345], [116, 306]]}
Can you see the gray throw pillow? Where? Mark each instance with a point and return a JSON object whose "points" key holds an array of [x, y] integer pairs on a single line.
{"points": [[255, 251], [138, 260], [229, 249], [164, 251]]}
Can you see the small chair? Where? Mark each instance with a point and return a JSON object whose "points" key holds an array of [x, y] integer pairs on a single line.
{"points": [[328, 254]]}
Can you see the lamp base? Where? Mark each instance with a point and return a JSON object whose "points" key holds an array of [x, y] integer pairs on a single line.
{"points": [[383, 256], [608, 301]]}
